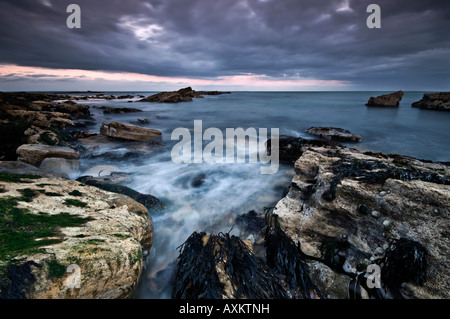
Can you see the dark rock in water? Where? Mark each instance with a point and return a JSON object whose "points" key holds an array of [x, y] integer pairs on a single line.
{"points": [[128, 96], [334, 134], [388, 100], [140, 122], [117, 110], [434, 101], [182, 95], [198, 180], [290, 148], [153, 204], [252, 222]]}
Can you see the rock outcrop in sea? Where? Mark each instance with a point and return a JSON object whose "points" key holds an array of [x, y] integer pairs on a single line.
{"points": [[434, 101], [182, 95], [387, 100]]}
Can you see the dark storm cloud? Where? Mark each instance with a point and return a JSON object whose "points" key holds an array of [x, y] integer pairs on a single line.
{"points": [[326, 40]]}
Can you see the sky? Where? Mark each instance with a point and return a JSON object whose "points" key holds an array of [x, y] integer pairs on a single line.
{"points": [[260, 45]]}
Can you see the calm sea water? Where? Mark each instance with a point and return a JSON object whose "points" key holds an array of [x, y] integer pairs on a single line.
{"points": [[228, 190]]}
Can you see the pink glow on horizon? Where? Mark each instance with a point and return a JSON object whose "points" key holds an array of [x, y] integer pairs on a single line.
{"points": [[247, 79]]}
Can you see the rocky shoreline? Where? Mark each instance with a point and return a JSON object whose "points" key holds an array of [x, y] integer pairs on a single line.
{"points": [[343, 211]]}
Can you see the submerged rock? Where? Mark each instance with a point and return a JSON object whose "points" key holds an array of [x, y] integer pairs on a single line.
{"points": [[334, 134], [434, 101], [55, 226], [328, 212], [117, 110], [388, 100], [128, 132], [36, 153]]}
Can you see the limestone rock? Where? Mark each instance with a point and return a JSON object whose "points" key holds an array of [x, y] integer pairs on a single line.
{"points": [[102, 235], [388, 100], [128, 132], [324, 210]]}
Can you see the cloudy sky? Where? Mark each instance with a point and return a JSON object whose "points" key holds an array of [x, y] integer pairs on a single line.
{"points": [[153, 45]]}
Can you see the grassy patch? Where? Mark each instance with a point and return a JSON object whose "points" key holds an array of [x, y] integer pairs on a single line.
{"points": [[52, 194], [55, 269], [74, 202], [75, 193], [22, 232], [17, 178]]}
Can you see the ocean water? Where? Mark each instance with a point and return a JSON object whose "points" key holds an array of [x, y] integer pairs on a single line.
{"points": [[209, 197]]}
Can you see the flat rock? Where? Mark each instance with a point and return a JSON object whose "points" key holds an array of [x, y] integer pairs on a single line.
{"points": [[434, 101], [35, 153], [334, 134], [388, 100], [128, 132]]}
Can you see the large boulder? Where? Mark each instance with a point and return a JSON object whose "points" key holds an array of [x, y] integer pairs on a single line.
{"points": [[388, 100], [65, 240], [35, 153], [434, 101], [334, 134], [128, 132], [349, 208]]}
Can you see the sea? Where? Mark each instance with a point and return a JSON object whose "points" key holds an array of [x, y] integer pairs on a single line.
{"points": [[209, 197]]}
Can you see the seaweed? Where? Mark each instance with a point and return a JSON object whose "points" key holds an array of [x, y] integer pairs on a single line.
{"points": [[197, 277], [249, 278], [405, 261], [287, 260]]}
